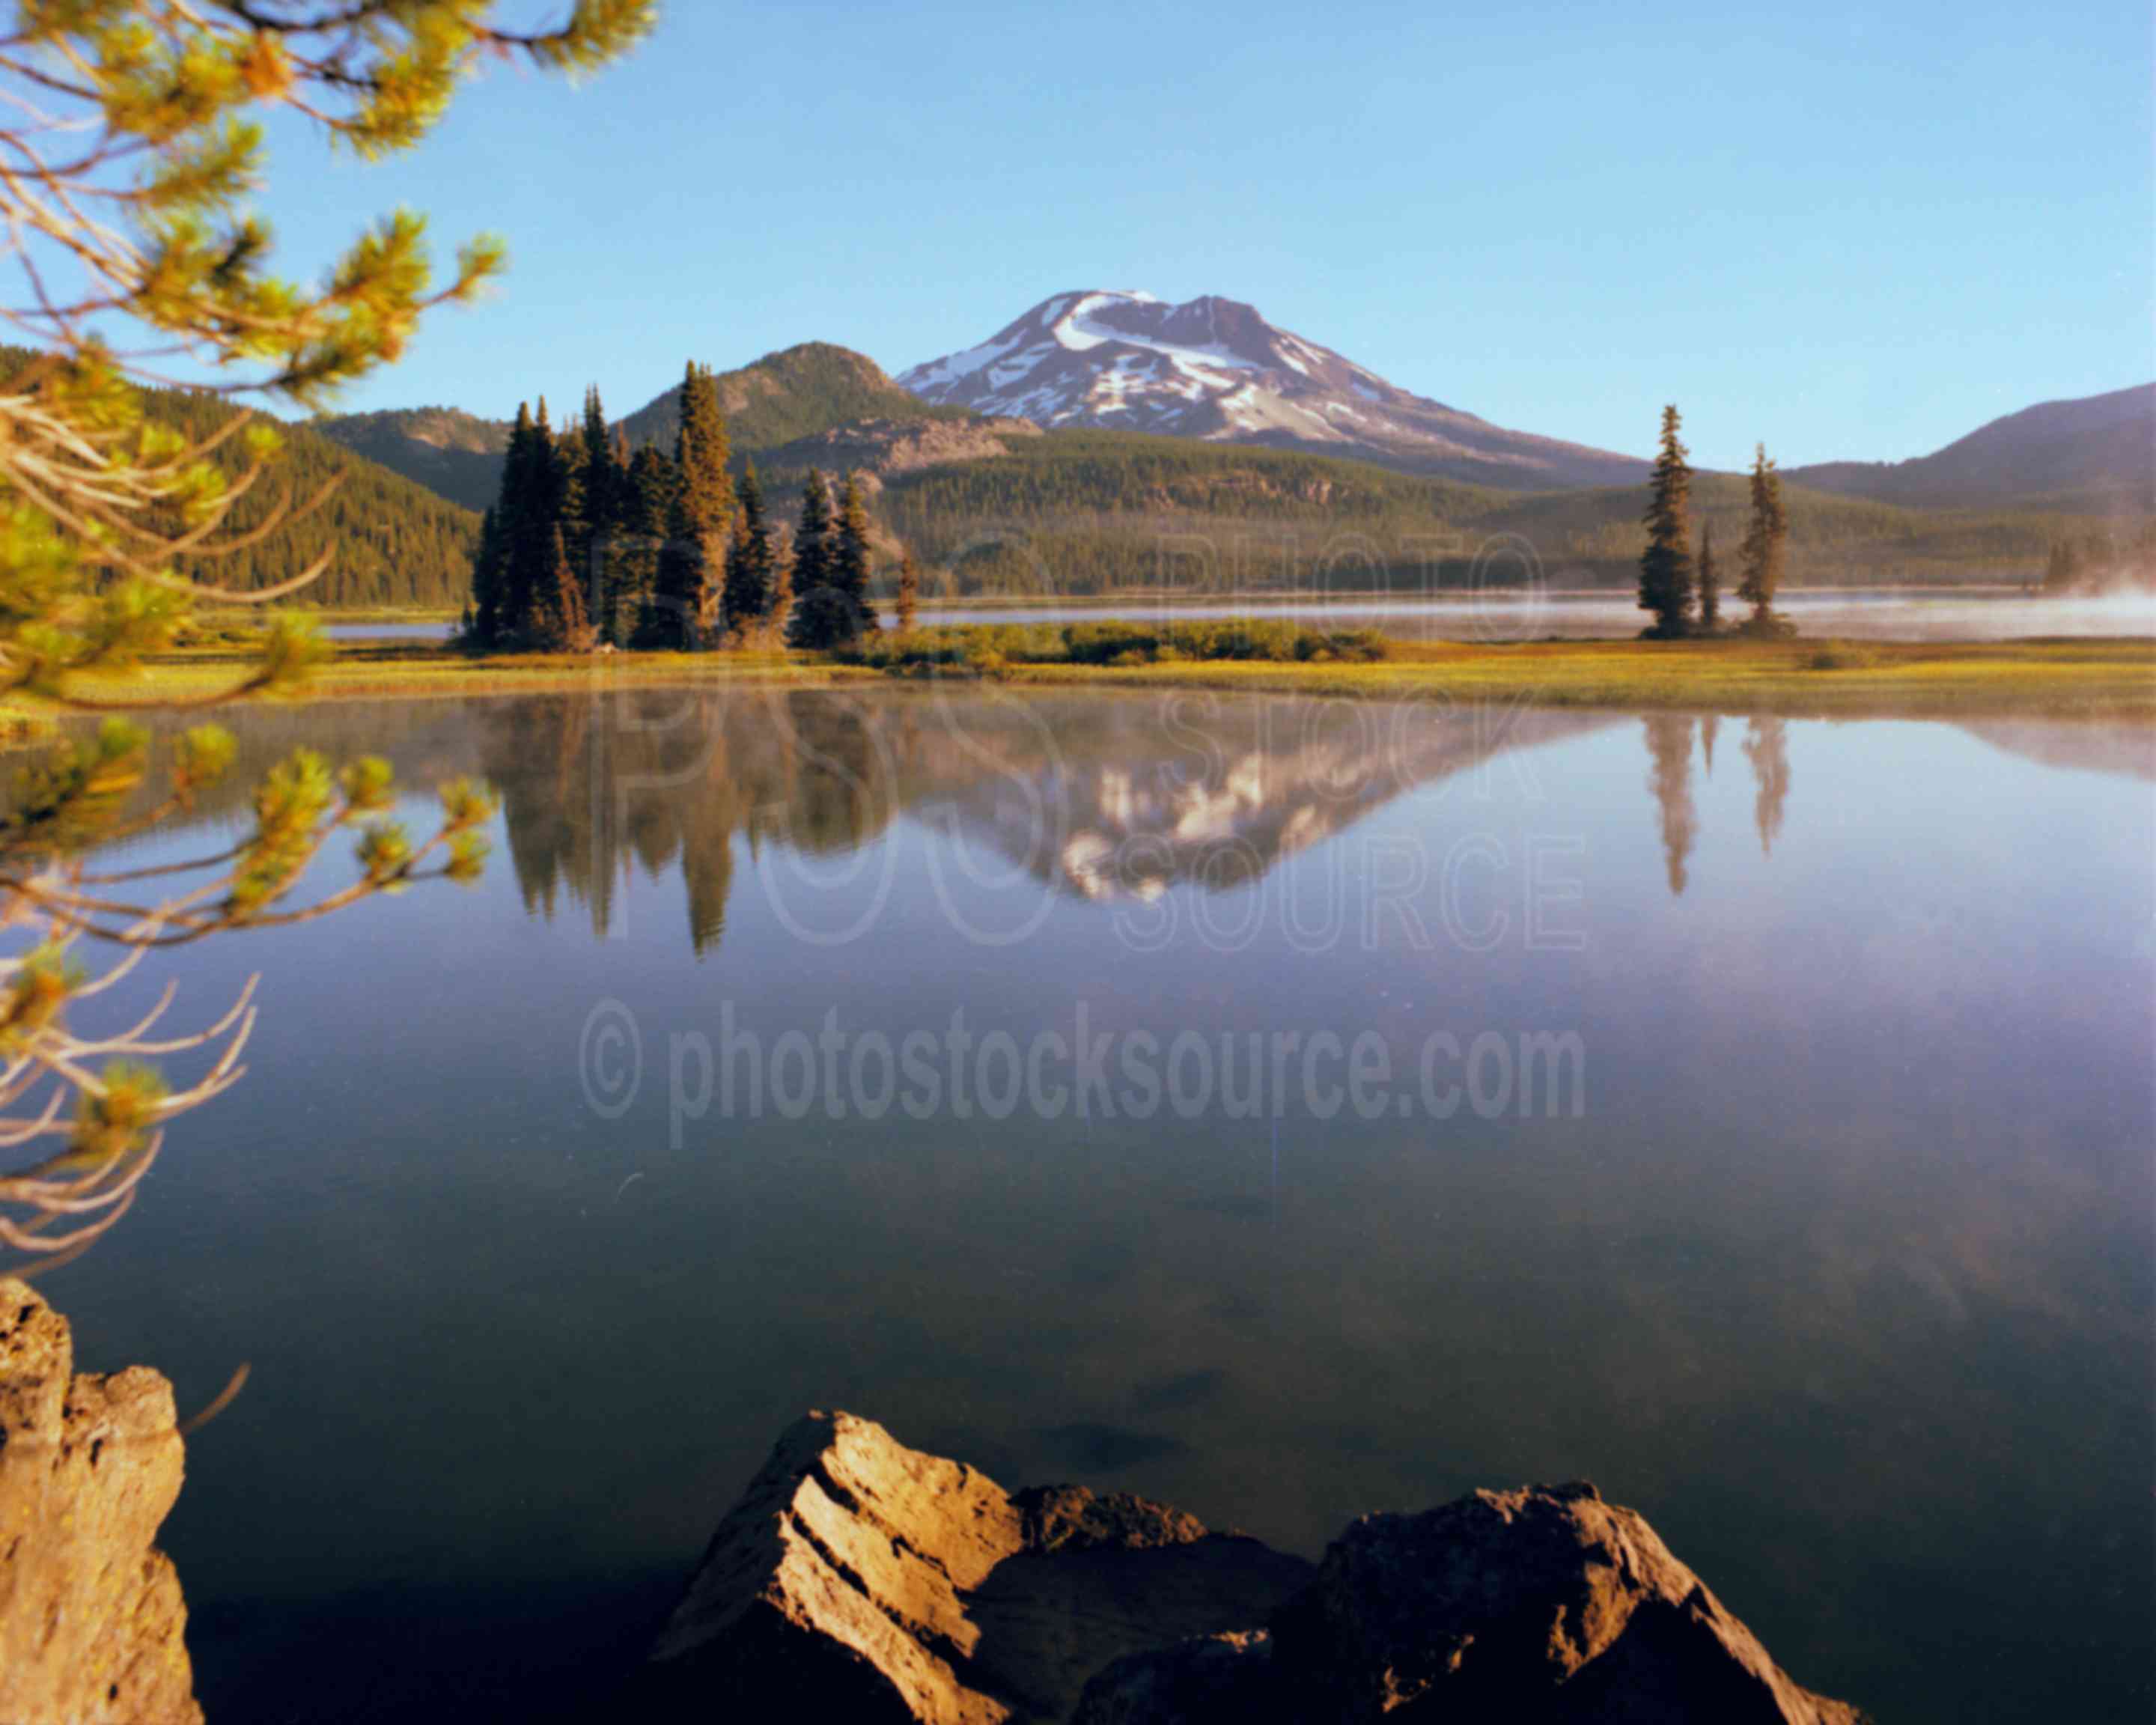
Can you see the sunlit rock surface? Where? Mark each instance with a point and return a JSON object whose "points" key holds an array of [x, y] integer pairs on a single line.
{"points": [[92, 1624], [859, 1579]]}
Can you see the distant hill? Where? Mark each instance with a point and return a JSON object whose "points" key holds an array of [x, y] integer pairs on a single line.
{"points": [[999, 505], [1092, 511], [456, 455], [797, 392], [1214, 369], [2096, 456]]}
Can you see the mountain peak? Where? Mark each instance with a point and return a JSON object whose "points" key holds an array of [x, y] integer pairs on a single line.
{"points": [[1215, 369]]}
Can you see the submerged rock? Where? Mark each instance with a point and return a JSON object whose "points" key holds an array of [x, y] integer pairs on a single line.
{"points": [[92, 1624], [859, 1579]]}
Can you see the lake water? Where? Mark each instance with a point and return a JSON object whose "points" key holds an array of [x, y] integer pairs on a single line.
{"points": [[1766, 1134], [1964, 613]]}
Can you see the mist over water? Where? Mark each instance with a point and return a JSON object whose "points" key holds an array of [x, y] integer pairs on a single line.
{"points": [[1511, 614]]}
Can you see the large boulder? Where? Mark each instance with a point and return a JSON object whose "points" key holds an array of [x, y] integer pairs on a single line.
{"points": [[1544, 1606], [858, 1579], [92, 1624], [1542, 1603]]}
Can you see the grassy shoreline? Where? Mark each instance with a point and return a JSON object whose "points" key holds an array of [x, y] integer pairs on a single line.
{"points": [[2110, 679]]}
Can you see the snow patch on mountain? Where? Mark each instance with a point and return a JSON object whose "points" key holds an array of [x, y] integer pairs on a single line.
{"points": [[1215, 368]]}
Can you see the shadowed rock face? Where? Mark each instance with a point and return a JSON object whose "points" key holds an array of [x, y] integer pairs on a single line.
{"points": [[92, 1624], [858, 1579], [1545, 1605], [862, 1580]]}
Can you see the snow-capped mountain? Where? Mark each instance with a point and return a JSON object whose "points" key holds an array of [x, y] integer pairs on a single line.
{"points": [[1214, 368]]}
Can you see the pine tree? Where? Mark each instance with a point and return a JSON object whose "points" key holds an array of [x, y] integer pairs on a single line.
{"points": [[647, 506], [1710, 582], [850, 553], [692, 568], [590, 549], [780, 610], [1666, 570], [811, 623], [1764, 550], [489, 565], [909, 592], [751, 562], [559, 622], [572, 502]]}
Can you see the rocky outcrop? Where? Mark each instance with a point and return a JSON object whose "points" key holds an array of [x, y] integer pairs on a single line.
{"points": [[91, 1619], [859, 1579], [1545, 1605], [1224, 1677], [876, 448]]}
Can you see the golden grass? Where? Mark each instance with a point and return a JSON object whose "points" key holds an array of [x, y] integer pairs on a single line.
{"points": [[2110, 679], [2114, 679]]}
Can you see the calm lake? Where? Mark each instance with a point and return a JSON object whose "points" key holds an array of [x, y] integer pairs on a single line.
{"points": [[1960, 614], [1766, 1135]]}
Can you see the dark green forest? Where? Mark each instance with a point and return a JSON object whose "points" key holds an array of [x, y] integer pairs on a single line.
{"points": [[396, 542], [1091, 512]]}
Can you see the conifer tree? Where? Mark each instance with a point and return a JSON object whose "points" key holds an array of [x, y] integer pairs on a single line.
{"points": [[1765, 545], [850, 551], [647, 506], [692, 568], [490, 564], [532, 484], [559, 622], [572, 503], [1665, 569], [817, 618], [502, 619], [1710, 582], [780, 609], [909, 592], [751, 562], [590, 543]]}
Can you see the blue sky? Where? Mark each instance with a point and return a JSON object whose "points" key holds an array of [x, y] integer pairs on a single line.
{"points": [[1849, 234]]}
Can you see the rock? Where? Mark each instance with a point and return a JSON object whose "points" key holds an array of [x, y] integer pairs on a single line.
{"points": [[1543, 1604], [92, 1624], [1224, 1677], [859, 1579], [862, 1580]]}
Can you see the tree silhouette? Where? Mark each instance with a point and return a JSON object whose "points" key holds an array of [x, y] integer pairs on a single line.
{"points": [[1665, 567]]}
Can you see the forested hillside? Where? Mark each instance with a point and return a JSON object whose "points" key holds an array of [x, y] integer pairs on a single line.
{"points": [[455, 454], [395, 542], [1091, 512], [793, 393]]}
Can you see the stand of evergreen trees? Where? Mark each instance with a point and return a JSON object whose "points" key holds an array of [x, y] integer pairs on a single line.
{"points": [[589, 544], [1685, 593], [2089, 561]]}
